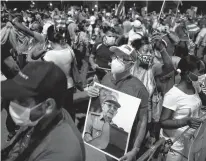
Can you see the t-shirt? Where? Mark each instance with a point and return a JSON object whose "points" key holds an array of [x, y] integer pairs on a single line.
{"points": [[182, 105], [62, 58], [102, 55]]}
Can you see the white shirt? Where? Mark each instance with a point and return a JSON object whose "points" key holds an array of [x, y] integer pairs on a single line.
{"points": [[62, 58], [183, 105]]}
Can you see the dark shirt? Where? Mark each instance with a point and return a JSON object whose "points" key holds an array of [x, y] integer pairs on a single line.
{"points": [[102, 55], [132, 86], [129, 85], [63, 143], [118, 30]]}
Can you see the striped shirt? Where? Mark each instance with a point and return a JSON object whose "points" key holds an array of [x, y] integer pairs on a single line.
{"points": [[192, 29]]}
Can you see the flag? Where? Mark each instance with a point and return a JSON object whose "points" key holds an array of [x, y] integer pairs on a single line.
{"points": [[178, 2], [119, 8]]}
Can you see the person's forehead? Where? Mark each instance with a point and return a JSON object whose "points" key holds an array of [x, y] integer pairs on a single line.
{"points": [[111, 103], [110, 33]]}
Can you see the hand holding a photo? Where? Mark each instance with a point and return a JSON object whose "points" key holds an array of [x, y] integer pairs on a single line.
{"points": [[130, 156], [93, 91]]}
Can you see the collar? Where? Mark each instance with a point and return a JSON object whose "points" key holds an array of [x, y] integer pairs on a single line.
{"points": [[101, 117], [121, 77]]}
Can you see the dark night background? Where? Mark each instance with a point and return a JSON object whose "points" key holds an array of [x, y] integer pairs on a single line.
{"points": [[152, 5]]}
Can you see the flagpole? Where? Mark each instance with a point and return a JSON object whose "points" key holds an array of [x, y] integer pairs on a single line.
{"points": [[161, 9], [177, 9]]}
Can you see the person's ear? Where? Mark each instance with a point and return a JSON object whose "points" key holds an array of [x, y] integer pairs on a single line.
{"points": [[50, 105]]}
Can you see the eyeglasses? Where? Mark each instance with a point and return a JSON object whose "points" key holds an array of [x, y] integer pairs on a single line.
{"points": [[122, 59]]}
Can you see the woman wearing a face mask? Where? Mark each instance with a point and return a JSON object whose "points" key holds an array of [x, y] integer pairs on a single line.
{"points": [[101, 55], [181, 109], [149, 72]]}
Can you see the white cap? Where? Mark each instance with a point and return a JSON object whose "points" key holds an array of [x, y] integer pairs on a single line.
{"points": [[137, 24], [124, 50], [70, 13], [108, 14], [136, 16], [92, 20]]}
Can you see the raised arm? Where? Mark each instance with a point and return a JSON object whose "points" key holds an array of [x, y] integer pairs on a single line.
{"points": [[21, 27]]}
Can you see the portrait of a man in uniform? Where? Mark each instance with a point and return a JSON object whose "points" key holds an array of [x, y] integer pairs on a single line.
{"points": [[109, 121]]}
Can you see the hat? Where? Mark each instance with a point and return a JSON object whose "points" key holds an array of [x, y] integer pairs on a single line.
{"points": [[124, 50], [70, 13], [137, 24], [112, 99], [92, 20], [43, 79]]}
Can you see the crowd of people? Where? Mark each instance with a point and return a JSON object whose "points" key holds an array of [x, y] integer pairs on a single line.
{"points": [[52, 57]]}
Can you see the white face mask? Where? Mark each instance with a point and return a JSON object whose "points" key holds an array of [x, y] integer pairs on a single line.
{"points": [[110, 40], [117, 66], [21, 115], [29, 19]]}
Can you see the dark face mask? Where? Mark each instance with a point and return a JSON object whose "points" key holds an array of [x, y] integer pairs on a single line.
{"points": [[192, 77]]}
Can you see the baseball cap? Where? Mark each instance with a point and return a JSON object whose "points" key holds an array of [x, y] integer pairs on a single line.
{"points": [[124, 50], [92, 20], [112, 99], [43, 79], [137, 24]]}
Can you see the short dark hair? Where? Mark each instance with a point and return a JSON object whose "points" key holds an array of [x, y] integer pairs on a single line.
{"points": [[107, 29], [54, 36], [189, 64], [138, 43]]}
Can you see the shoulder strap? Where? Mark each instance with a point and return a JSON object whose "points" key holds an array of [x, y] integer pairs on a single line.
{"points": [[98, 46]]}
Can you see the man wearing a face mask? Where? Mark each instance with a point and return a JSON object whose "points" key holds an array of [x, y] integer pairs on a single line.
{"points": [[101, 55], [47, 131], [120, 79]]}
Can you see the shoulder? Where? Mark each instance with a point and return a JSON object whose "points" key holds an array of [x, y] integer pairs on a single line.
{"points": [[59, 141], [94, 116], [95, 113], [173, 92], [136, 85]]}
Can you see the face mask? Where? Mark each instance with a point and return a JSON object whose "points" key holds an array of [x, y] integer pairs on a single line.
{"points": [[117, 66], [21, 115], [192, 77], [29, 19], [110, 40], [145, 59]]}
